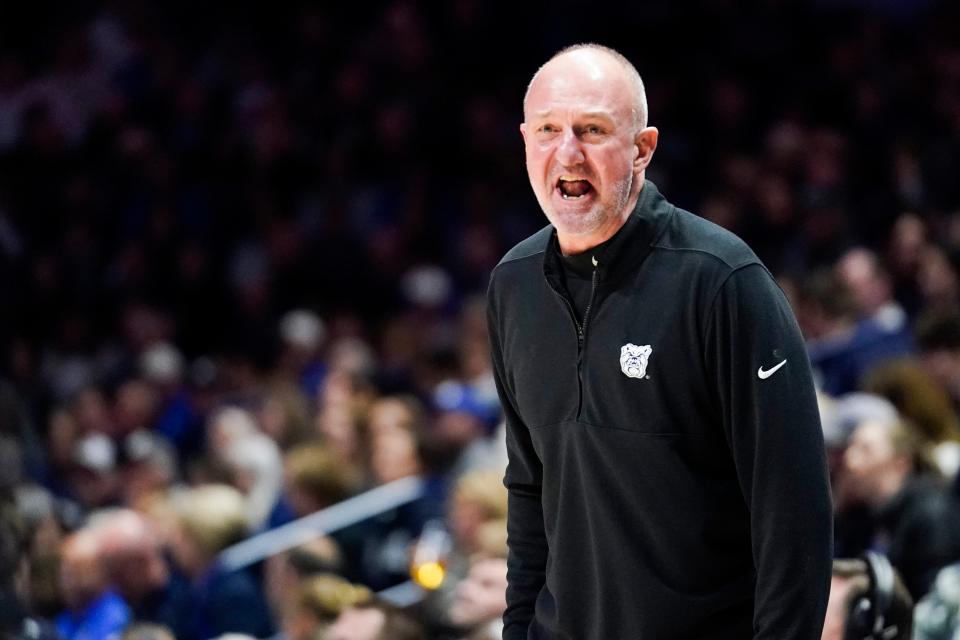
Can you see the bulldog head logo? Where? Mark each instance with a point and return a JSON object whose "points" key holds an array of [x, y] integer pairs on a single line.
{"points": [[633, 360]]}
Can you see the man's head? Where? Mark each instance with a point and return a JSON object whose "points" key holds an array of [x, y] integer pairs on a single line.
{"points": [[587, 143], [133, 555], [482, 595], [865, 278], [879, 459]]}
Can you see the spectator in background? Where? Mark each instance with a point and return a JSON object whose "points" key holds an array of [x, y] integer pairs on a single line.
{"points": [[937, 278], [94, 610], [138, 569], [285, 572], [209, 519], [93, 477], [463, 426], [914, 518], [15, 623], [844, 346], [481, 598], [148, 468], [314, 479], [317, 602], [938, 338], [162, 366], [872, 291], [478, 500], [924, 404], [399, 448], [342, 406], [252, 461], [374, 621], [283, 414], [302, 334], [256, 468]]}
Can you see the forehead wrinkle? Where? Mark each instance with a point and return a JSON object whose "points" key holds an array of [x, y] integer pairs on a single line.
{"points": [[592, 113]]}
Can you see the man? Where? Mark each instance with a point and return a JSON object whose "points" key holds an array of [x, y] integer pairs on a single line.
{"points": [[912, 516], [667, 476], [94, 610], [134, 559]]}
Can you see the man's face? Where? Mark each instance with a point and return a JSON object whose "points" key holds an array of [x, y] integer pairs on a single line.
{"points": [[583, 157], [870, 459], [482, 596]]}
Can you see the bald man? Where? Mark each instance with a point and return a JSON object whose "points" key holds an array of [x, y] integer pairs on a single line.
{"points": [[94, 611], [133, 556], [667, 476]]}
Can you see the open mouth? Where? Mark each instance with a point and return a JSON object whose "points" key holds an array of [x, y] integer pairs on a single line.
{"points": [[572, 188]]}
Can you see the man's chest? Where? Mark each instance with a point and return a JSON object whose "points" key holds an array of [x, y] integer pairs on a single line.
{"points": [[636, 363]]}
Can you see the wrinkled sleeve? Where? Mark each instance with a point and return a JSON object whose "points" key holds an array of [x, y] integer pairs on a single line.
{"points": [[772, 424], [526, 540]]}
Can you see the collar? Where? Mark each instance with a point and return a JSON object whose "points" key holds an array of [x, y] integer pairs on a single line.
{"points": [[624, 252]]}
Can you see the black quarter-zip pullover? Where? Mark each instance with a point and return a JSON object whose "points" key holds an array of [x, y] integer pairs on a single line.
{"points": [[666, 475]]}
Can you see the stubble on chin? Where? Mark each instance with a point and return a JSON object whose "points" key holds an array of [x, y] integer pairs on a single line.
{"points": [[587, 222]]}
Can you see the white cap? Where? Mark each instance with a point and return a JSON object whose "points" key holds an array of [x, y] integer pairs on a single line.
{"points": [[302, 328], [162, 363]]}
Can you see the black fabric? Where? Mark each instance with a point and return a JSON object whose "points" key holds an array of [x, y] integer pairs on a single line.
{"points": [[577, 270], [922, 525], [687, 501], [171, 605]]}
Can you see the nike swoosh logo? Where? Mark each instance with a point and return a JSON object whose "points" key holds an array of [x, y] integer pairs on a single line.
{"points": [[763, 375]]}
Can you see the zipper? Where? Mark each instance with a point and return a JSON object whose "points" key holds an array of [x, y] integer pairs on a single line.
{"points": [[581, 329], [582, 339]]}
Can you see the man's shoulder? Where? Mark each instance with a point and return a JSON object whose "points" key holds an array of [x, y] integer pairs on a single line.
{"points": [[689, 232], [534, 245]]}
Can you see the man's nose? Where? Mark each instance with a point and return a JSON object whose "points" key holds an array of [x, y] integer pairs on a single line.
{"points": [[570, 151]]}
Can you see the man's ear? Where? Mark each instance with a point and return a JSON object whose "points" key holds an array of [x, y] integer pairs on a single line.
{"points": [[646, 144], [523, 131]]}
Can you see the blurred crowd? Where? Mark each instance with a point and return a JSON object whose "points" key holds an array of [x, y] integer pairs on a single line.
{"points": [[243, 255]]}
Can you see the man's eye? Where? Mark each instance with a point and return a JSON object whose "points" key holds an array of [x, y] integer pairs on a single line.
{"points": [[547, 128], [593, 130]]}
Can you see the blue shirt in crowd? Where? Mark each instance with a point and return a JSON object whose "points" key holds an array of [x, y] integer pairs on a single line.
{"points": [[103, 619]]}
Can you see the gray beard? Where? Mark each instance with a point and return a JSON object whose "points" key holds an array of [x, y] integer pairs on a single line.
{"points": [[583, 224]]}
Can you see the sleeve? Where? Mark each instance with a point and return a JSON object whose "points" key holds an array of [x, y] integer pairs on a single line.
{"points": [[526, 539], [771, 421]]}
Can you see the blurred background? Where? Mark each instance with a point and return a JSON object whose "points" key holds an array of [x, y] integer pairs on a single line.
{"points": [[243, 254]]}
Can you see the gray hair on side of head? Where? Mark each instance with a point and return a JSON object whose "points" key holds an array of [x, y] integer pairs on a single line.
{"points": [[640, 93]]}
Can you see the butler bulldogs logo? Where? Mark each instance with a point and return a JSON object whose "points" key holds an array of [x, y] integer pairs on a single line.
{"points": [[633, 360]]}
